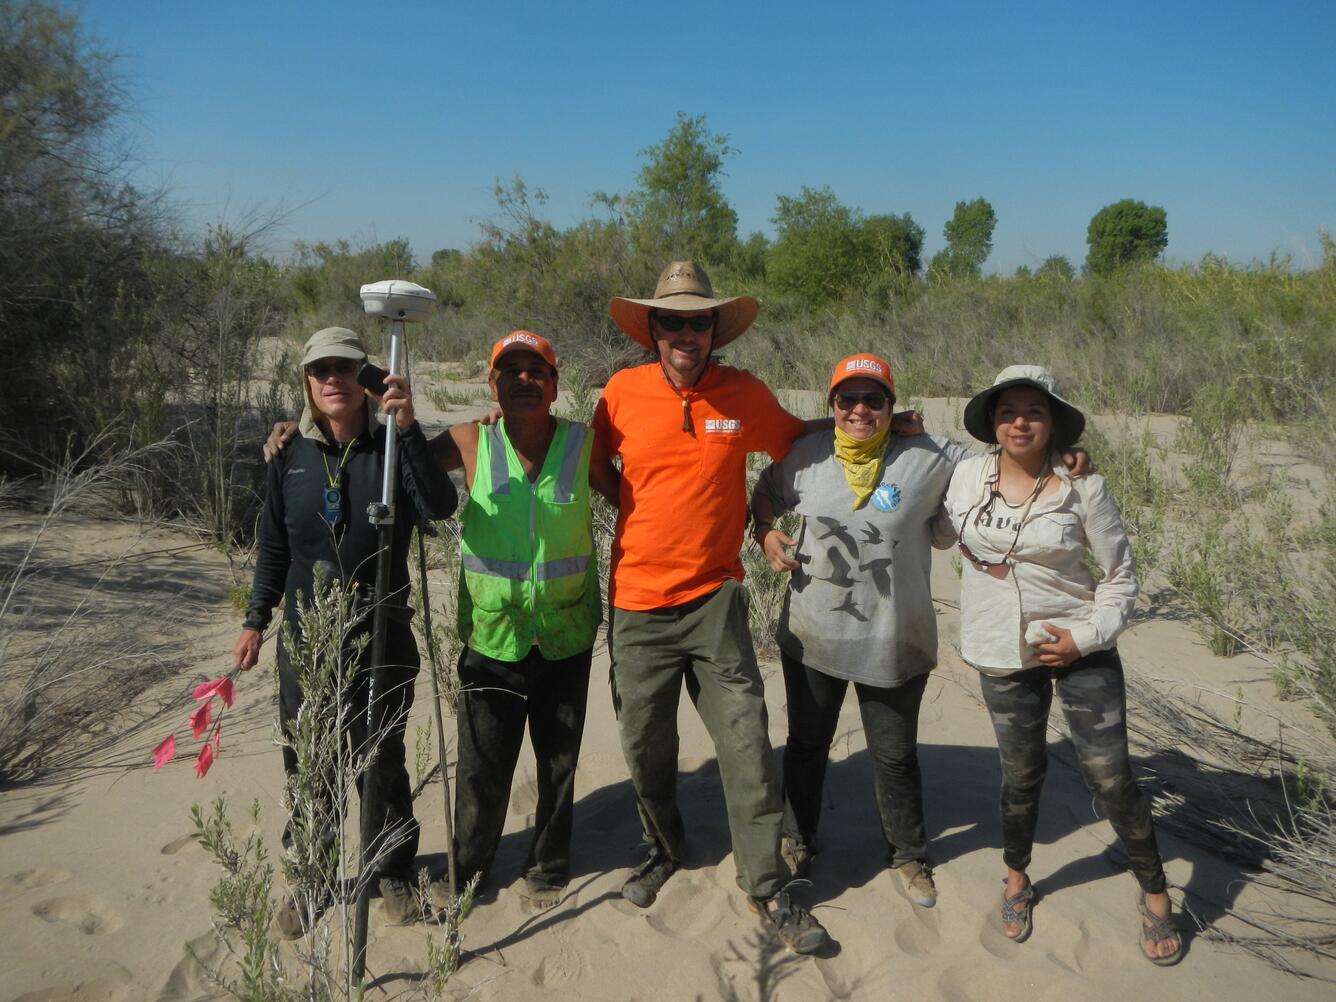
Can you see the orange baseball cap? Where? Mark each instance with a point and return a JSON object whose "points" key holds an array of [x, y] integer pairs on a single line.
{"points": [[525, 341], [866, 367]]}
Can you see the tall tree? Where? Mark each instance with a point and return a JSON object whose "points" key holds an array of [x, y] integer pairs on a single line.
{"points": [[1123, 233], [76, 240], [678, 208], [969, 239]]}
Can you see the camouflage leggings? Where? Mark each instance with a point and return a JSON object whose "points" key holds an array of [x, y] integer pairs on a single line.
{"points": [[1095, 704]]}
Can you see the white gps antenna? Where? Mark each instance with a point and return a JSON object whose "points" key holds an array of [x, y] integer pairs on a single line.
{"points": [[399, 302]]}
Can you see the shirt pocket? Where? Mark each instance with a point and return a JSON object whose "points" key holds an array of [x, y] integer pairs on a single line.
{"points": [[1052, 533], [720, 458]]}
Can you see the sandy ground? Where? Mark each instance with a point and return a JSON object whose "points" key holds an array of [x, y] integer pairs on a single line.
{"points": [[105, 889]]}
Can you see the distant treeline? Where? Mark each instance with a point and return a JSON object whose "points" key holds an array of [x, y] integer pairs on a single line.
{"points": [[112, 319]]}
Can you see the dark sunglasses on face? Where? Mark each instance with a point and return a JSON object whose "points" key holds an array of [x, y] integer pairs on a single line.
{"points": [[873, 400], [323, 370], [673, 323]]}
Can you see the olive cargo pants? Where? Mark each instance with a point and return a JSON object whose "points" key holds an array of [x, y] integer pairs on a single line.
{"points": [[704, 644]]}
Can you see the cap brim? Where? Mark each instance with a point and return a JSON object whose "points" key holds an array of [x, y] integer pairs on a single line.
{"points": [[1068, 422], [736, 314], [332, 351], [859, 375], [515, 346]]}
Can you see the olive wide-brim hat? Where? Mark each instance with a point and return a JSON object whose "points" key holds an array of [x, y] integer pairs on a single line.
{"points": [[1068, 422], [684, 286]]}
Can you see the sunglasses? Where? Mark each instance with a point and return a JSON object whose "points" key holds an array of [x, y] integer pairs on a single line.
{"points": [[673, 323], [873, 400], [323, 370]]}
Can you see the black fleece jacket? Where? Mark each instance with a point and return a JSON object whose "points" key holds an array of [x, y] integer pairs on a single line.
{"points": [[294, 535]]}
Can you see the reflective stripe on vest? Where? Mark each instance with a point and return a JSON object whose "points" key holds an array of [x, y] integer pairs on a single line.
{"points": [[497, 446], [570, 462], [513, 570]]}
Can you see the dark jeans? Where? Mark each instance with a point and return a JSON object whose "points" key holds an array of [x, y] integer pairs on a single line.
{"points": [[890, 725], [394, 821], [497, 700], [1095, 704], [703, 645]]}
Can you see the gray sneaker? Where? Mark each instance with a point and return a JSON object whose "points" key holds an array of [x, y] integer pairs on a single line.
{"points": [[644, 884], [916, 879]]}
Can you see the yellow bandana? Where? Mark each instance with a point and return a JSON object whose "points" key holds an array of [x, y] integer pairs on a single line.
{"points": [[861, 461]]}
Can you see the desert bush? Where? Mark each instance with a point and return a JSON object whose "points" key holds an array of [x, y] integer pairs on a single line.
{"points": [[228, 309], [317, 864], [63, 667]]}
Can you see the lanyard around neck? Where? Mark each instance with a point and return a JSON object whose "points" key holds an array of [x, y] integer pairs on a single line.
{"points": [[332, 479]]}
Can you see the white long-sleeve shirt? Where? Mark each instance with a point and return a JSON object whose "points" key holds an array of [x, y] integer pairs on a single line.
{"points": [[1047, 580]]}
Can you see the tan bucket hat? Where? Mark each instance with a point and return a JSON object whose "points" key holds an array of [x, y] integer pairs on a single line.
{"points": [[684, 286], [1068, 422]]}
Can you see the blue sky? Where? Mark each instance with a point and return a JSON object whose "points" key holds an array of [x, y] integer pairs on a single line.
{"points": [[373, 121]]}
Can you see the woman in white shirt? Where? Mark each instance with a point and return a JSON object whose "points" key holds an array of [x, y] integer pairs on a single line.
{"points": [[1034, 619]]}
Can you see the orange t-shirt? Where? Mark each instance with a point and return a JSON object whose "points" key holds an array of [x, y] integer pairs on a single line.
{"points": [[684, 494]]}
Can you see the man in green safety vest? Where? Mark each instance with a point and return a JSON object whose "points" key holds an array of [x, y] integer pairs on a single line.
{"points": [[529, 607]]}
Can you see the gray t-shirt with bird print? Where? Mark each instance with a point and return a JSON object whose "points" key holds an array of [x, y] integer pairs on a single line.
{"points": [[859, 606]]}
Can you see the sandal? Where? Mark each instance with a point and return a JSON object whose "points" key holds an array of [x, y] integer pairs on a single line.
{"points": [[1012, 915], [1157, 929]]}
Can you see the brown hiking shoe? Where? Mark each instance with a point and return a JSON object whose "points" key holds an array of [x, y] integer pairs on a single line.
{"points": [[400, 901], [916, 879], [644, 884], [792, 923]]}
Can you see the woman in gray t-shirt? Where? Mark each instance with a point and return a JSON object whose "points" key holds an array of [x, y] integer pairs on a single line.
{"points": [[858, 607]]}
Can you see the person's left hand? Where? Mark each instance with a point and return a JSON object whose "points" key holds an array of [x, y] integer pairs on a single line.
{"points": [[398, 400], [907, 423], [1078, 462], [1057, 653]]}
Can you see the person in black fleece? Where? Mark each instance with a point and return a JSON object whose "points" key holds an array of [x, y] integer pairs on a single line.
{"points": [[316, 497]]}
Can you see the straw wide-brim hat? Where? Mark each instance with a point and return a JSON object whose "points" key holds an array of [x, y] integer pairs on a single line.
{"points": [[1068, 422], [684, 286]]}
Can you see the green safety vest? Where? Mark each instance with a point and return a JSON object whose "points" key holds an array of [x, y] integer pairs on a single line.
{"points": [[528, 574]]}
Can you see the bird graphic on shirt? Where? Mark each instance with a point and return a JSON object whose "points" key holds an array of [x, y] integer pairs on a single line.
{"points": [[839, 573], [871, 535], [880, 576], [848, 606], [840, 532]]}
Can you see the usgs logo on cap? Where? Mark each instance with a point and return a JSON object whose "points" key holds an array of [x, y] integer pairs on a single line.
{"points": [[864, 365], [521, 339]]}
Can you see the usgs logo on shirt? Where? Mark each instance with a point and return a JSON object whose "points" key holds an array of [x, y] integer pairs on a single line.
{"points": [[723, 426]]}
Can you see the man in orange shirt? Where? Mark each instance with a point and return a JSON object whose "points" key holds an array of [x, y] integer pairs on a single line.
{"points": [[683, 426]]}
